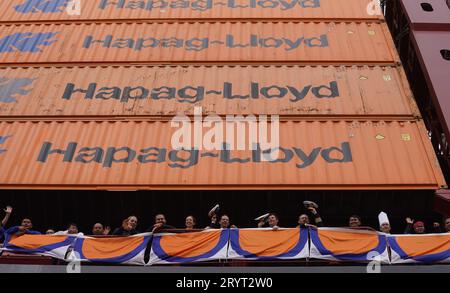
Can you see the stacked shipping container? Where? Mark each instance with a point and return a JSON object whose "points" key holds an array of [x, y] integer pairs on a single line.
{"points": [[85, 100]]}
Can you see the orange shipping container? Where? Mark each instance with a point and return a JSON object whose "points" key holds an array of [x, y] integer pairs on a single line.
{"points": [[314, 154], [171, 90], [45, 10], [310, 42]]}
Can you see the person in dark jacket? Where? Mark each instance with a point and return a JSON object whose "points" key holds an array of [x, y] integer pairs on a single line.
{"points": [[413, 227], [303, 219], [99, 230], [128, 227], [437, 226], [214, 223], [2, 233], [160, 224], [271, 221], [225, 222]]}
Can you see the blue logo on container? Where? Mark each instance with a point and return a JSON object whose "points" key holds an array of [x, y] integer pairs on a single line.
{"points": [[45, 6], [10, 88], [26, 42], [2, 141]]}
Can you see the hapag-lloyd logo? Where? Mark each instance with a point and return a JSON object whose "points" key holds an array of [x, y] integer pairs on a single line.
{"points": [[108, 156], [44, 6], [208, 138], [34, 42], [204, 5], [3, 139], [192, 94], [199, 44], [27, 42], [71, 7], [73, 152], [12, 88], [59, 6]]}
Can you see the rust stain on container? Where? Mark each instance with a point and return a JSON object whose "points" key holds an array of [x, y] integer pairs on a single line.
{"points": [[314, 154], [120, 10], [308, 42], [171, 90]]}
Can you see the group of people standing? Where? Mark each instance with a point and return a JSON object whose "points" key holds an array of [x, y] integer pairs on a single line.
{"points": [[217, 221]]}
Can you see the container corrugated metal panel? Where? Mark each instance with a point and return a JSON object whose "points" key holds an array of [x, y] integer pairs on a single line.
{"points": [[171, 90], [44, 10], [336, 154], [427, 15], [326, 42]]}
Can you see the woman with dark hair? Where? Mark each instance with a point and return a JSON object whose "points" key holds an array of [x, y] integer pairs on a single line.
{"points": [[190, 222]]}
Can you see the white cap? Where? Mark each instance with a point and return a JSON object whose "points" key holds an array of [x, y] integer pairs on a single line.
{"points": [[262, 217], [383, 218], [308, 203], [213, 210]]}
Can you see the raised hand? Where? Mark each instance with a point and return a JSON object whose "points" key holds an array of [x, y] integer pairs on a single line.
{"points": [[312, 210], [261, 223], [156, 226], [125, 225]]}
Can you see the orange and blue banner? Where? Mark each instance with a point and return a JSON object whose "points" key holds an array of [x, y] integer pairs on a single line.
{"points": [[340, 244], [51, 245], [189, 247], [268, 244], [336, 244], [120, 250], [427, 248]]}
